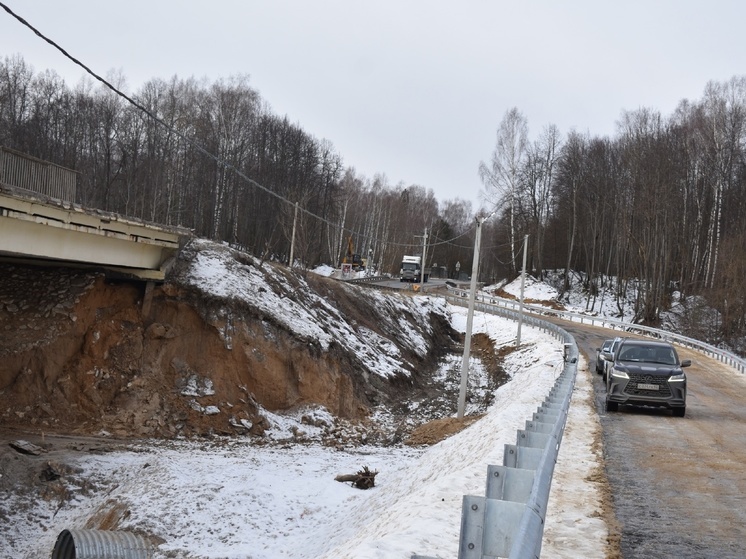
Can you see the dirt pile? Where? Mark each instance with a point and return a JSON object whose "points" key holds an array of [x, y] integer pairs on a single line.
{"points": [[78, 356]]}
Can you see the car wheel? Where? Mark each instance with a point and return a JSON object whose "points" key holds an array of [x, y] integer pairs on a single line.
{"points": [[612, 406], [678, 412]]}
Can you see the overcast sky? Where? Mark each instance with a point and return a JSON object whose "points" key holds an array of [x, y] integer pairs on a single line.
{"points": [[414, 90]]}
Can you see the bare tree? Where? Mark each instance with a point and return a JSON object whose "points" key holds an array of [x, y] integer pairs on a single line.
{"points": [[501, 178], [15, 102], [570, 175], [537, 189]]}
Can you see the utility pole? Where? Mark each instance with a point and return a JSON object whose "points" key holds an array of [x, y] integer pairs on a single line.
{"points": [[424, 254], [292, 240], [470, 319], [523, 282], [341, 235]]}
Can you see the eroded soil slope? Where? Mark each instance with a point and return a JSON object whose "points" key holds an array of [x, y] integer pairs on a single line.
{"points": [[78, 355]]}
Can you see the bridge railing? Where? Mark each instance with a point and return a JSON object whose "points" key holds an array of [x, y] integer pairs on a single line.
{"points": [[23, 171]]}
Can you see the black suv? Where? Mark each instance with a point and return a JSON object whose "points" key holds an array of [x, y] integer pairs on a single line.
{"points": [[647, 373]]}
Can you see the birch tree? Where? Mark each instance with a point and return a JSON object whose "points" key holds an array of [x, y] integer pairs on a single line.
{"points": [[501, 177], [570, 167], [725, 111]]}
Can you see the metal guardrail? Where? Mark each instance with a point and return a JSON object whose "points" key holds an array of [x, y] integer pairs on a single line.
{"points": [[368, 279], [709, 350], [509, 520]]}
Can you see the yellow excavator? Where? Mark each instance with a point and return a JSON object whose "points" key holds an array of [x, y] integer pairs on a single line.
{"points": [[357, 261]]}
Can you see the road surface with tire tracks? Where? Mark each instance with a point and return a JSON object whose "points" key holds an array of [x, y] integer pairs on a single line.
{"points": [[678, 484]]}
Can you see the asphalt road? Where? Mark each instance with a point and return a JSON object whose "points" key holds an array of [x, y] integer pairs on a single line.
{"points": [[431, 285], [678, 484]]}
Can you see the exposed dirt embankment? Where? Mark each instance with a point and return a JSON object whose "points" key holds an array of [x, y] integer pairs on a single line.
{"points": [[78, 356]]}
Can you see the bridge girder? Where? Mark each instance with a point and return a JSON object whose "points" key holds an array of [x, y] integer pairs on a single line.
{"points": [[32, 227]]}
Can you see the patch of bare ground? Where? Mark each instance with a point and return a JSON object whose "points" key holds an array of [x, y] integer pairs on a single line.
{"points": [[439, 429], [551, 303], [492, 358]]}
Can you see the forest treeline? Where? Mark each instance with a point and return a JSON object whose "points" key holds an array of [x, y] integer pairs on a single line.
{"points": [[660, 206]]}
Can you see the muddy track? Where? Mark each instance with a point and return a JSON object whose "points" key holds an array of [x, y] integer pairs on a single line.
{"points": [[677, 483]]}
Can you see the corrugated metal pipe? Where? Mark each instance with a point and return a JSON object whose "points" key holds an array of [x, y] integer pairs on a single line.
{"points": [[101, 544]]}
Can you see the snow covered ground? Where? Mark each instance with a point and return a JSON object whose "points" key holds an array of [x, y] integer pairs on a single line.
{"points": [[606, 304], [228, 499], [574, 300]]}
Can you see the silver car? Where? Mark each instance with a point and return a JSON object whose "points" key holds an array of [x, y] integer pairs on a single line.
{"points": [[600, 361], [608, 356], [648, 373]]}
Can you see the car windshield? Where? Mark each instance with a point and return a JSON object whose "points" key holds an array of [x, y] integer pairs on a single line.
{"points": [[661, 355]]}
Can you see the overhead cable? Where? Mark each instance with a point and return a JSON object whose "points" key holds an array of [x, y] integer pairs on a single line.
{"points": [[188, 140]]}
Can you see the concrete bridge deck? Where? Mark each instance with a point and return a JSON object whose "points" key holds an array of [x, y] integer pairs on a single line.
{"points": [[37, 228]]}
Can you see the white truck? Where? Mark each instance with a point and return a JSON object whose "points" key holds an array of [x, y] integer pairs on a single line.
{"points": [[411, 269]]}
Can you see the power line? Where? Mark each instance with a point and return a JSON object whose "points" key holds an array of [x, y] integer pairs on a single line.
{"points": [[188, 140], [146, 111]]}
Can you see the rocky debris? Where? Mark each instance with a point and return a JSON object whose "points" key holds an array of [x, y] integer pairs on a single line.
{"points": [[25, 447], [37, 305], [50, 473]]}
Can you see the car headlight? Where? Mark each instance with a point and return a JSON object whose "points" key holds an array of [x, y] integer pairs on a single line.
{"points": [[677, 378], [619, 374]]}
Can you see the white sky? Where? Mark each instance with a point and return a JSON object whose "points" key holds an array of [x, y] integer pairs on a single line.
{"points": [[414, 90]]}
